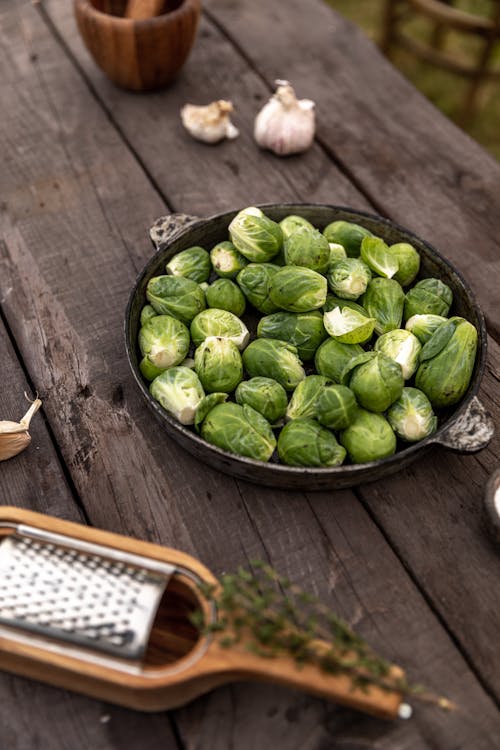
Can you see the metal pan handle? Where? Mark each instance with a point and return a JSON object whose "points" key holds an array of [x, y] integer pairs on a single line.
{"points": [[166, 227], [470, 432]]}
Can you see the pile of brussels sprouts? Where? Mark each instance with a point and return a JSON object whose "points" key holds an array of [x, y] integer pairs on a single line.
{"points": [[346, 357]]}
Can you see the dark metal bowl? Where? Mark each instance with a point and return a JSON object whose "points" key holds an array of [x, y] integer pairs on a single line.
{"points": [[465, 428]]}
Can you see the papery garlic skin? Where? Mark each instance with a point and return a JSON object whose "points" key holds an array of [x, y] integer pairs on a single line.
{"points": [[14, 436], [285, 125], [209, 123]]}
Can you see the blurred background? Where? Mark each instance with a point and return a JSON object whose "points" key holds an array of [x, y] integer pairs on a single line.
{"points": [[449, 91]]}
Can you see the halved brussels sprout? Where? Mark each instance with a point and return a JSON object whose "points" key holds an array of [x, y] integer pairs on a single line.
{"points": [[347, 234], [218, 364], [307, 248], [337, 252], [226, 260], [193, 263], [207, 404], [369, 437], [255, 236], [447, 362], [239, 429], [147, 313], [255, 282], [428, 296], [179, 391], [164, 340], [274, 359], [333, 356], [265, 395], [378, 257], [377, 383], [149, 370], [348, 325], [411, 416], [408, 262], [298, 289], [348, 278], [336, 407], [177, 296], [303, 330], [220, 323], [423, 326], [290, 223], [305, 396], [224, 294], [304, 442], [403, 347], [384, 300]]}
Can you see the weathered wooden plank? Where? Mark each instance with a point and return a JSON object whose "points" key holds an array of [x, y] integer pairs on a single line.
{"points": [[130, 477], [415, 165], [477, 649]]}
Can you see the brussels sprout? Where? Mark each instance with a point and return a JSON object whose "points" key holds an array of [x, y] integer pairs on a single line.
{"points": [[337, 252], [377, 383], [347, 234], [290, 223], [447, 361], [218, 365], [239, 429], [177, 296], [274, 359], [255, 236], [384, 300], [403, 347], [428, 296], [193, 263], [336, 407], [224, 294], [408, 262], [303, 330], [307, 248], [303, 401], [411, 416], [304, 442], [333, 356], [349, 278], [265, 395], [164, 340], [179, 391], [348, 325], [255, 282], [207, 404], [226, 260], [298, 289], [220, 323], [423, 326], [147, 313], [369, 437], [149, 370], [351, 365], [378, 257]]}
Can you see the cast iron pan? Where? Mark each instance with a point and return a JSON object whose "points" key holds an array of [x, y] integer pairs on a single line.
{"points": [[466, 428]]}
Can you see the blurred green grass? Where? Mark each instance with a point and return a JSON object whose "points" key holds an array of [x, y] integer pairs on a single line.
{"points": [[445, 90]]}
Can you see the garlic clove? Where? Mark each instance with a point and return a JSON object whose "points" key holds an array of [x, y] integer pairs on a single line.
{"points": [[14, 436], [285, 125], [209, 123]]}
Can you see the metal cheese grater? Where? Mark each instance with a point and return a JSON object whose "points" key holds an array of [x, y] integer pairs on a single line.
{"points": [[80, 593]]}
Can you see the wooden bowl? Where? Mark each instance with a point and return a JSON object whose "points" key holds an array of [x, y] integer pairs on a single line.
{"points": [[140, 55]]}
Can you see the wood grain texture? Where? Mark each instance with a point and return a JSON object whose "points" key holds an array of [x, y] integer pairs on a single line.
{"points": [[71, 262], [440, 184]]}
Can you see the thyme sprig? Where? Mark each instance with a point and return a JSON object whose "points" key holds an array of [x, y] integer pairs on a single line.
{"points": [[269, 615]]}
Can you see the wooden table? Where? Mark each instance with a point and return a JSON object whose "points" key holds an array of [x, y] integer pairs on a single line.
{"points": [[85, 169]]}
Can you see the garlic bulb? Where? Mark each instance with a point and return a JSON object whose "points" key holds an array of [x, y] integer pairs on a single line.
{"points": [[209, 123], [14, 436], [285, 124]]}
